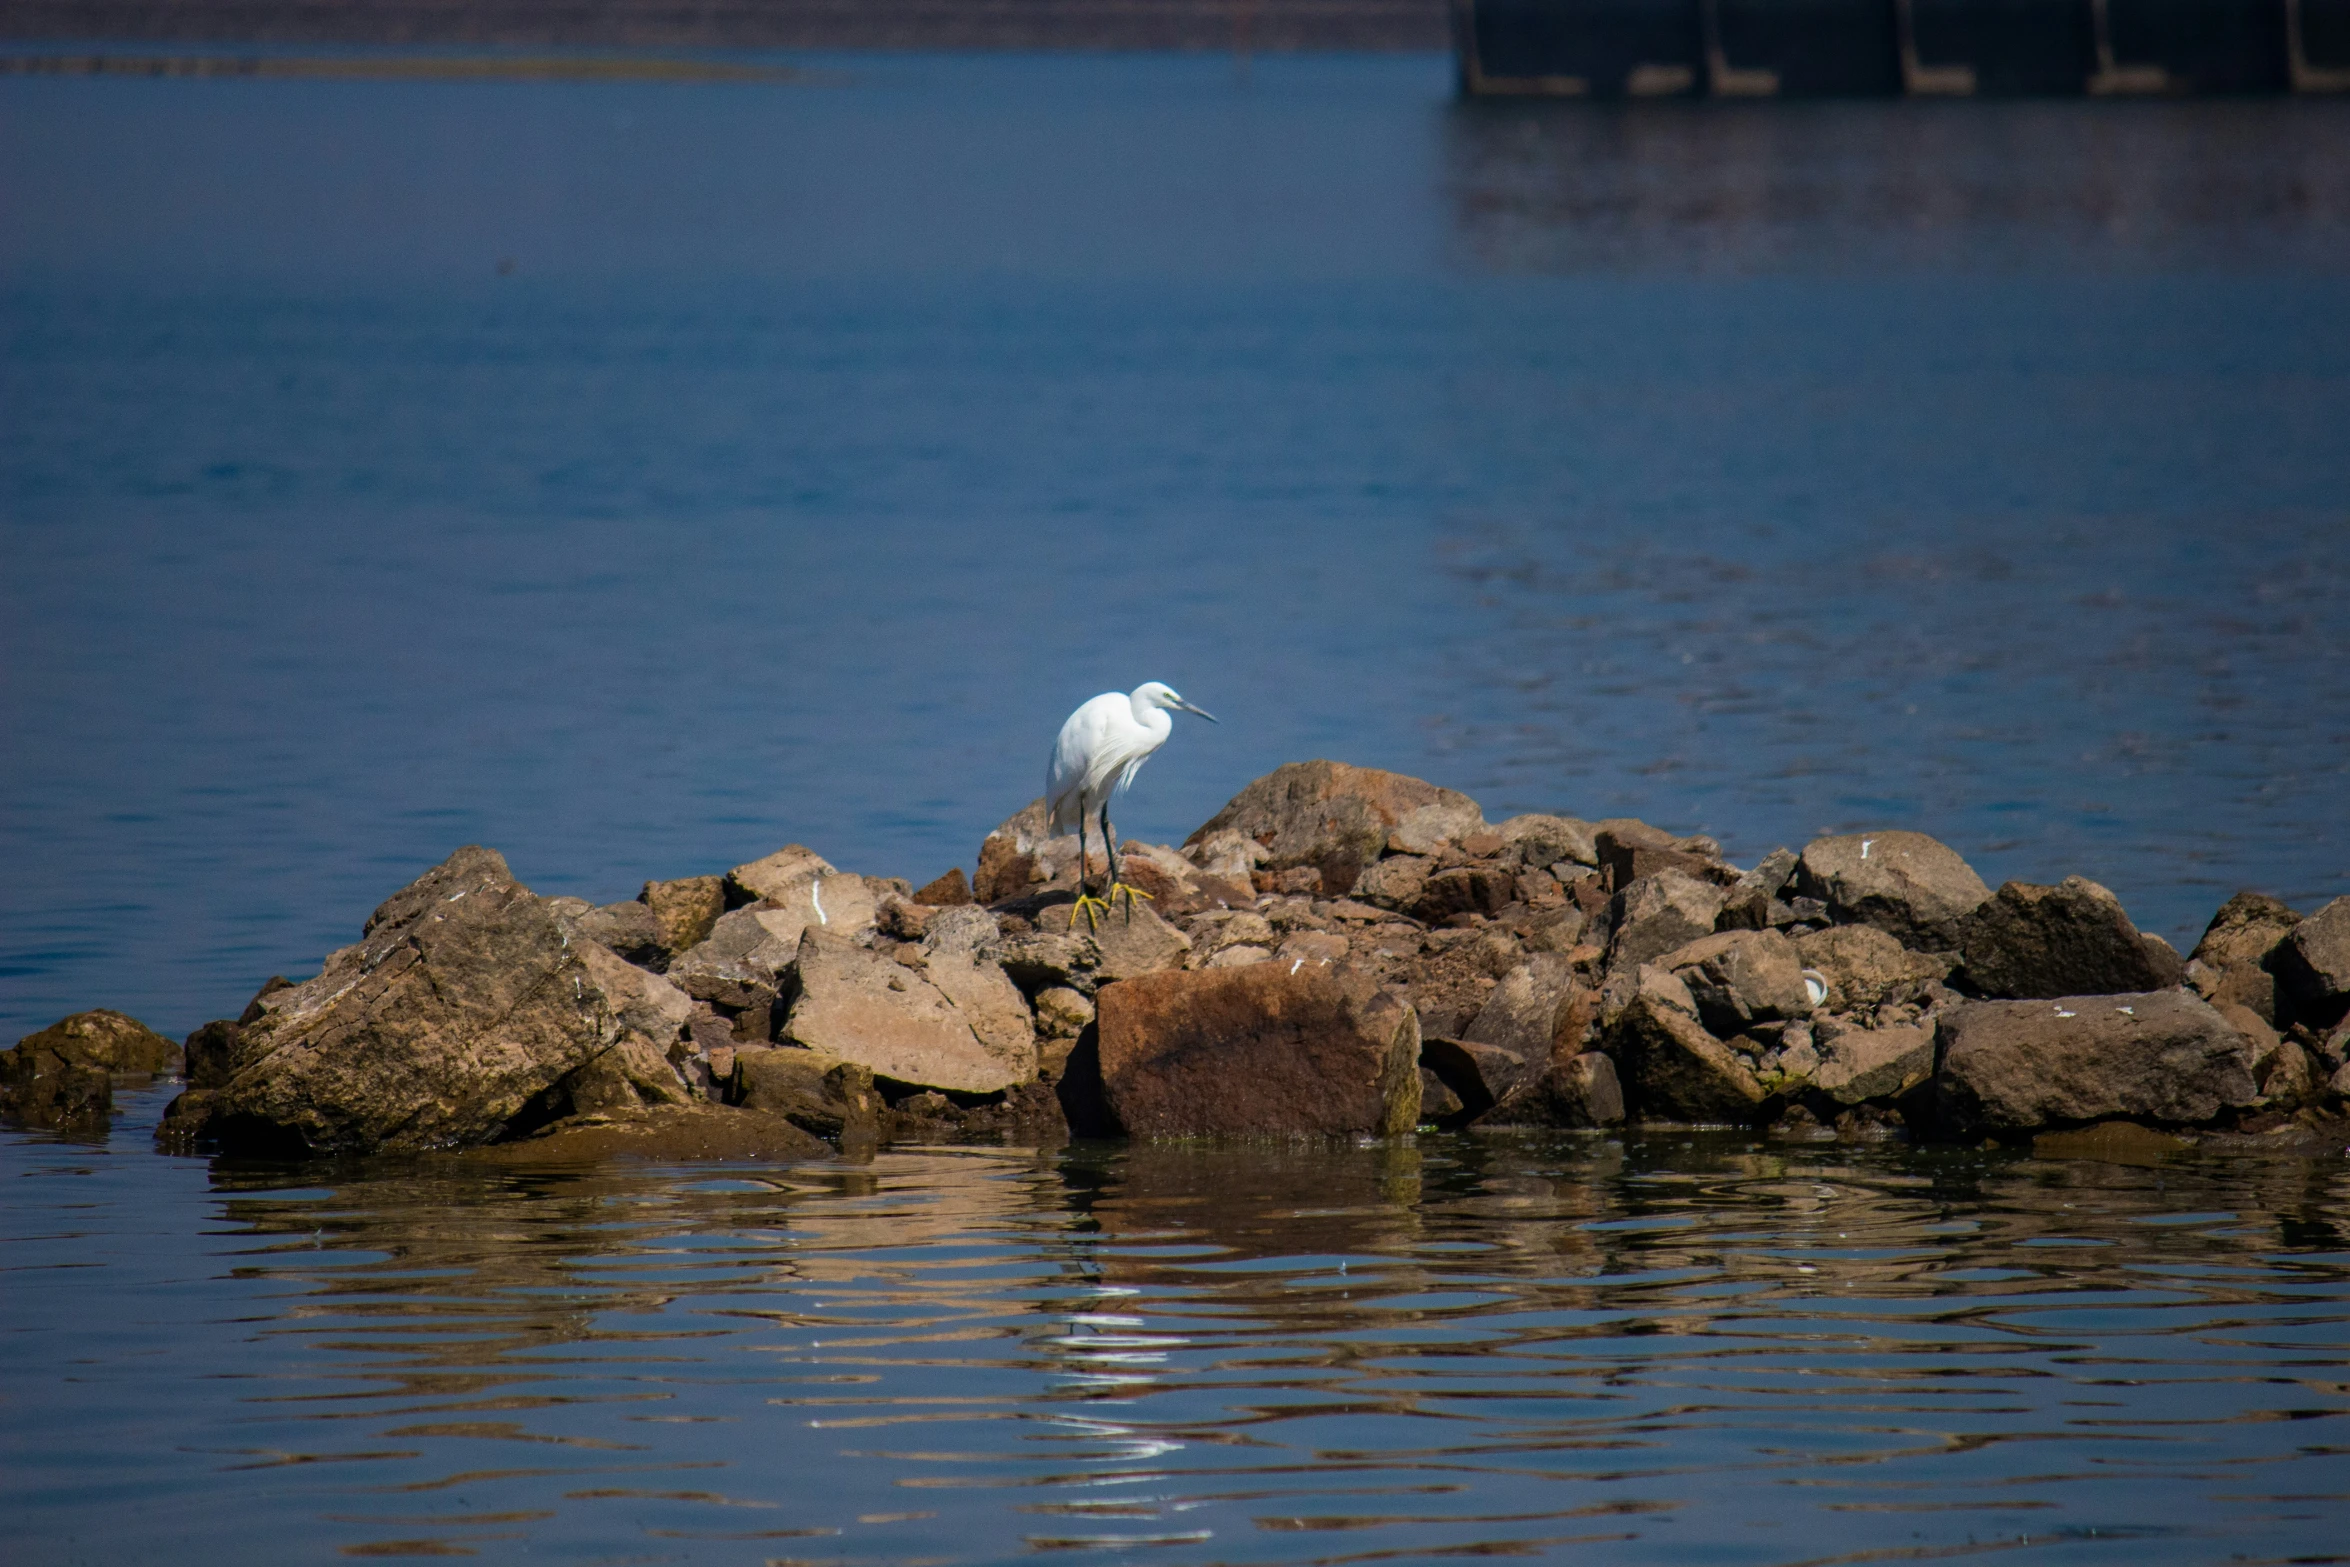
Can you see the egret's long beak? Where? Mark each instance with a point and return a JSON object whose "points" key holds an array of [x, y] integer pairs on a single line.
{"points": [[1201, 711]]}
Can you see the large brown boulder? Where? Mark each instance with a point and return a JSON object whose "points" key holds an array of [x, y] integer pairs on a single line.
{"points": [[2313, 966], [1330, 816], [463, 1003], [1262, 1050], [2231, 963], [2022, 1065], [2072, 939], [1908, 885], [1673, 1070], [938, 1015]]}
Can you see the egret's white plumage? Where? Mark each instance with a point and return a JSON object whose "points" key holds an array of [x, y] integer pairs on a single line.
{"points": [[1100, 748]]}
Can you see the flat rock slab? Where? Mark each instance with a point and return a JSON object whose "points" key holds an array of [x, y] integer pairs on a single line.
{"points": [[950, 1021], [2165, 1056], [1861, 1064], [1259, 1051]]}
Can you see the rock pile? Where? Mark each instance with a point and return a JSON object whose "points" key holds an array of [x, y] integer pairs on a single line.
{"points": [[1339, 951]]}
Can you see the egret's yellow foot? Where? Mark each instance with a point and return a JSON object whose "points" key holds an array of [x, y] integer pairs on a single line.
{"points": [[1086, 903], [1132, 893]]}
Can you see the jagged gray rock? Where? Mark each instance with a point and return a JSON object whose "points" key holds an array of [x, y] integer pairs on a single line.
{"points": [[1657, 914], [1740, 978]]}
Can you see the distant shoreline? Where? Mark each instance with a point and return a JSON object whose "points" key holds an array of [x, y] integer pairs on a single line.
{"points": [[1274, 26]]}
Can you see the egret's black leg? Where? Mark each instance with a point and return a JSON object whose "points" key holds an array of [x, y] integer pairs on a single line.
{"points": [[1086, 903], [1110, 837]]}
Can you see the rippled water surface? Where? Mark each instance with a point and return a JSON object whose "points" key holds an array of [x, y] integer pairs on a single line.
{"points": [[1681, 1350], [636, 476]]}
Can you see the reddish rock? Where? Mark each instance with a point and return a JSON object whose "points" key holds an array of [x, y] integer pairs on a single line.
{"points": [[1328, 815], [946, 892], [1629, 850], [1258, 1051]]}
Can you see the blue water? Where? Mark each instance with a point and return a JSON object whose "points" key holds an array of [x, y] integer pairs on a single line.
{"points": [[1665, 1350], [636, 476]]}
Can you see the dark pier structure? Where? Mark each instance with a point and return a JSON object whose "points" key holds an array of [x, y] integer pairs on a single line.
{"points": [[1888, 48]]}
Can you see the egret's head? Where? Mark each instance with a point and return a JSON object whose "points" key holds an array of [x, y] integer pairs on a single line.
{"points": [[1156, 693]]}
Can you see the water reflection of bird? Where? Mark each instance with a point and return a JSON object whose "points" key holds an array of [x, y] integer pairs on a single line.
{"points": [[1101, 746]]}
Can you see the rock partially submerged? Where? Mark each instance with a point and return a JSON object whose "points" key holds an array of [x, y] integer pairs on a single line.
{"points": [[464, 1002], [63, 1076]]}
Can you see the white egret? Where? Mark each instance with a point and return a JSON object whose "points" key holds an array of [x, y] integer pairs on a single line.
{"points": [[1101, 747]]}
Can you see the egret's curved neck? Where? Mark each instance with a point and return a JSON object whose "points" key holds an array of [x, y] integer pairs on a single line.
{"points": [[1152, 717]]}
